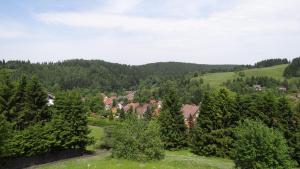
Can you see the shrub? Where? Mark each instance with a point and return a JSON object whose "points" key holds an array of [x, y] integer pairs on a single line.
{"points": [[260, 147], [137, 140]]}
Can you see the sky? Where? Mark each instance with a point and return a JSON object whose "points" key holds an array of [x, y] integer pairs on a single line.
{"points": [[144, 31]]}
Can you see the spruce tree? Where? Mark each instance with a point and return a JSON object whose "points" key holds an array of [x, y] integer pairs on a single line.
{"points": [[173, 129], [6, 93], [213, 133], [18, 111], [36, 101], [70, 122]]}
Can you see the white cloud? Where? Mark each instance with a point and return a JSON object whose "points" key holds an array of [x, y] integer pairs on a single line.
{"points": [[241, 33]]}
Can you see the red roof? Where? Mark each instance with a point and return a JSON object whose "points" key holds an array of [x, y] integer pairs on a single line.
{"points": [[131, 105], [189, 109], [108, 101], [141, 109]]}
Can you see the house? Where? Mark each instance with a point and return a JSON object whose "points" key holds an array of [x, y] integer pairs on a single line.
{"points": [[132, 106], [282, 89], [190, 110], [257, 87], [108, 102], [130, 95], [50, 99], [141, 110]]}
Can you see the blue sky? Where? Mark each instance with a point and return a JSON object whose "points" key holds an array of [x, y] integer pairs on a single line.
{"points": [[144, 31]]}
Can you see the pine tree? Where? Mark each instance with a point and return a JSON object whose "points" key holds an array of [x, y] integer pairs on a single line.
{"points": [[6, 93], [70, 122], [288, 123], [36, 101], [173, 129], [213, 133], [17, 112]]}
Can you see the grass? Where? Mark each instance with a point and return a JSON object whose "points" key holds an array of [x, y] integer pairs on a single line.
{"points": [[98, 134], [173, 160], [102, 160], [100, 122], [217, 79]]}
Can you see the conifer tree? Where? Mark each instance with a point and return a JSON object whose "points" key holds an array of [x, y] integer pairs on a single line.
{"points": [[70, 122], [18, 110], [213, 134], [173, 129], [6, 93], [36, 101]]}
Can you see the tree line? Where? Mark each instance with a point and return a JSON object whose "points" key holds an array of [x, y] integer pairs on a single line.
{"points": [[101, 75], [270, 62], [293, 69]]}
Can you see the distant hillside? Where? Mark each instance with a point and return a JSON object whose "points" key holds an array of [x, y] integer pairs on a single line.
{"points": [[98, 74], [217, 79]]}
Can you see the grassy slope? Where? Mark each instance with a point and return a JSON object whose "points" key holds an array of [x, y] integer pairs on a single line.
{"points": [[173, 160], [97, 133], [217, 79]]}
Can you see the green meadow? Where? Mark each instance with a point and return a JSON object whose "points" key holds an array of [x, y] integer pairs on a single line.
{"points": [[101, 160], [217, 79]]}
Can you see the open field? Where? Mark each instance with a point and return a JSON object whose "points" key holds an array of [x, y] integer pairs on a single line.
{"points": [[217, 79]]}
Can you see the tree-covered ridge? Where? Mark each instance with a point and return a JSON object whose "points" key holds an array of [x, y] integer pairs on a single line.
{"points": [[98, 74], [293, 69], [270, 62]]}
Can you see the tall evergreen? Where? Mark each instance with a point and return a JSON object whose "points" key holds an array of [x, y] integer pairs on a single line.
{"points": [[213, 133], [70, 122], [173, 129], [6, 93], [18, 111], [36, 101]]}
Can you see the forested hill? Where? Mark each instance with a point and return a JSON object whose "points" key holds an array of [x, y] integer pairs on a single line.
{"points": [[179, 68], [98, 74]]}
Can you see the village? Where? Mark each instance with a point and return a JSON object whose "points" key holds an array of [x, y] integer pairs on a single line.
{"points": [[128, 103]]}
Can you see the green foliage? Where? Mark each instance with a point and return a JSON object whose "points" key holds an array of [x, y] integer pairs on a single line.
{"points": [[148, 114], [270, 62], [94, 104], [212, 135], [5, 131], [245, 85], [293, 69], [137, 140], [275, 113], [260, 147], [97, 74], [70, 122], [35, 139], [122, 114], [173, 129], [30, 127]]}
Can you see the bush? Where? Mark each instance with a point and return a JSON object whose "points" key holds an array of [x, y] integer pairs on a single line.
{"points": [[137, 140], [260, 147]]}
